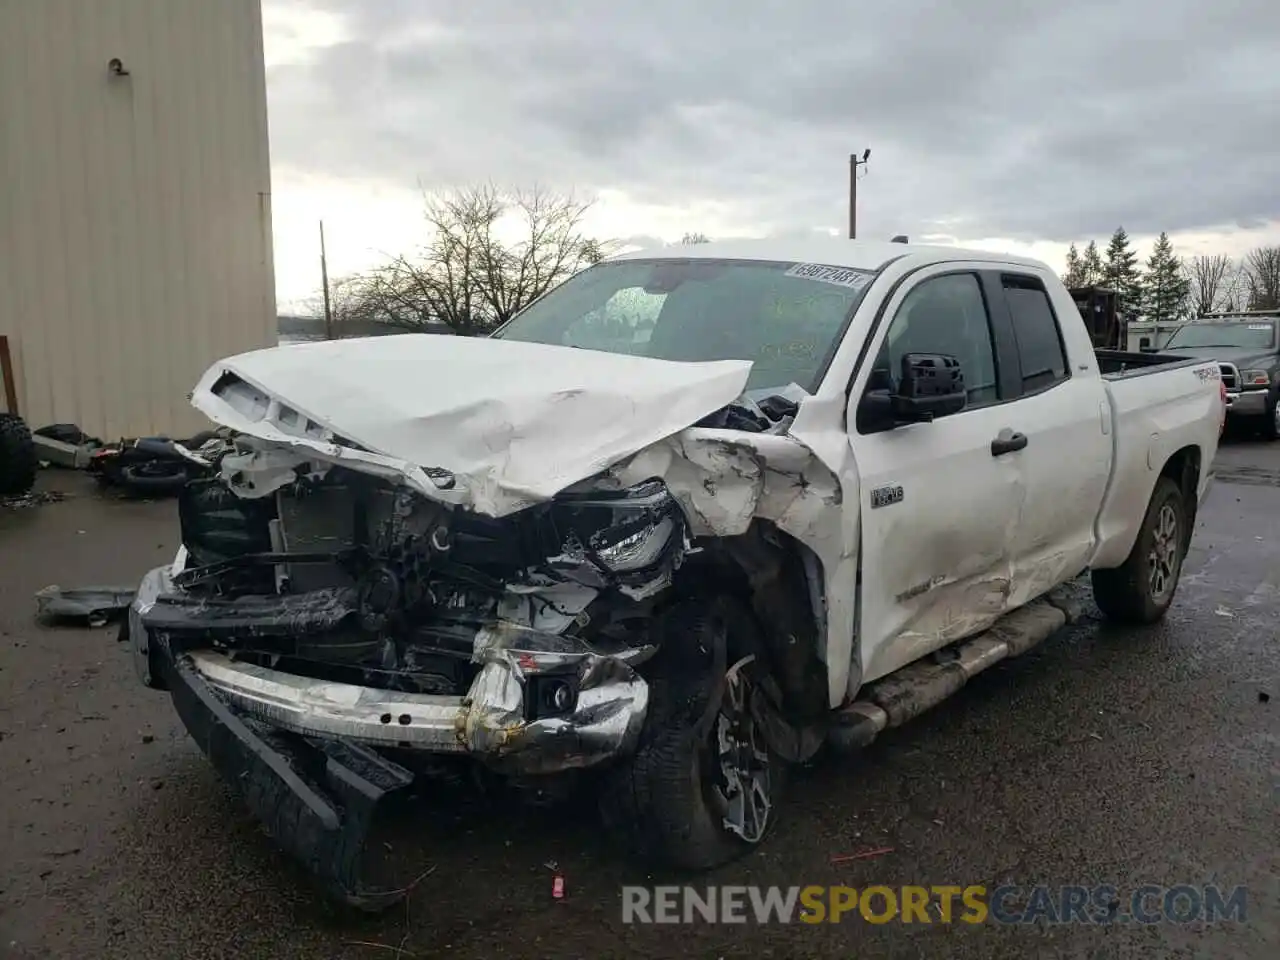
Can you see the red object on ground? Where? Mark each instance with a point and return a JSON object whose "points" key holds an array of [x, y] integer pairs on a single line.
{"points": [[865, 855]]}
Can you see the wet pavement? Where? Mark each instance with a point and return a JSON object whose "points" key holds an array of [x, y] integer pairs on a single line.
{"points": [[1119, 757]]}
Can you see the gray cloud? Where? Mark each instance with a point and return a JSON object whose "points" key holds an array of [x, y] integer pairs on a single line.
{"points": [[987, 118]]}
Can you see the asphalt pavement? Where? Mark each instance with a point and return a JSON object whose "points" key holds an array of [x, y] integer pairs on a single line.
{"points": [[1106, 756]]}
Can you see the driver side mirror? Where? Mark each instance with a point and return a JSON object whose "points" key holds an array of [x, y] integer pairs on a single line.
{"points": [[931, 385]]}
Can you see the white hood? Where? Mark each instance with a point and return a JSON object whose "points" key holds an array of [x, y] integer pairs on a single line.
{"points": [[515, 423]]}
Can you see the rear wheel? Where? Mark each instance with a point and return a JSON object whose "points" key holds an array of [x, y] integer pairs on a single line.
{"points": [[18, 458], [703, 786], [1142, 588]]}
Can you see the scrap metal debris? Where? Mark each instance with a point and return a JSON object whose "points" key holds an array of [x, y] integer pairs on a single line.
{"points": [[31, 500], [94, 606]]}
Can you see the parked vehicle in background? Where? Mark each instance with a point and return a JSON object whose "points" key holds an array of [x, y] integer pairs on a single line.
{"points": [[682, 520], [18, 458], [1247, 348]]}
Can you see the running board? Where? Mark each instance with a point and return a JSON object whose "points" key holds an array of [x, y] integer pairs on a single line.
{"points": [[906, 693]]}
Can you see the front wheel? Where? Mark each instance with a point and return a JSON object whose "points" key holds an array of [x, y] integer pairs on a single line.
{"points": [[1141, 589], [703, 786]]}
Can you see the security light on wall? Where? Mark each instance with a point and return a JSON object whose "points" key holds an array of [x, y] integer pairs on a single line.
{"points": [[116, 66]]}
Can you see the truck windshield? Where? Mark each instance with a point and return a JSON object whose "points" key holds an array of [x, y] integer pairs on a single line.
{"points": [[786, 318], [1261, 335]]}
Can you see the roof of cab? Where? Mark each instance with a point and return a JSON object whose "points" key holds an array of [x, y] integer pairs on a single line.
{"points": [[829, 251]]}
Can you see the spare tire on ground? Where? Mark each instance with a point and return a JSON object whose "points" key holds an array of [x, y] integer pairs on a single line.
{"points": [[18, 459]]}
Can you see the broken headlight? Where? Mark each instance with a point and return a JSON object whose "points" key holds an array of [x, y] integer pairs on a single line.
{"points": [[624, 530], [637, 550]]}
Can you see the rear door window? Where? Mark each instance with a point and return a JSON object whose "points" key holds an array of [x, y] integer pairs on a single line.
{"points": [[1041, 353]]}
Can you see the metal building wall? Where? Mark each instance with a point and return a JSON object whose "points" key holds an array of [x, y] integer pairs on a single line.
{"points": [[135, 210]]}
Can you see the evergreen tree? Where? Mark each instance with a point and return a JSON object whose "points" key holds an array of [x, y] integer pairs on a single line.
{"points": [[1120, 272], [1166, 288], [1074, 277], [1091, 264]]}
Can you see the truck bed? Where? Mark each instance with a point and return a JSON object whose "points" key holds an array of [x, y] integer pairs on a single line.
{"points": [[1152, 419], [1119, 364]]}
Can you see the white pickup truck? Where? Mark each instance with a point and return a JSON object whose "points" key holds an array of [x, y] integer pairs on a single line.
{"points": [[682, 520]]}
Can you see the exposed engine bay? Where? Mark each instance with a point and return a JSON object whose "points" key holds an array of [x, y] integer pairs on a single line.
{"points": [[513, 639], [385, 588]]}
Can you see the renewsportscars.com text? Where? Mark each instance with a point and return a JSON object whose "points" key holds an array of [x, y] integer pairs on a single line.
{"points": [[974, 904]]}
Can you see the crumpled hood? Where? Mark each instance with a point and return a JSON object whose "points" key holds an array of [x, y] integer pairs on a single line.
{"points": [[514, 423]]}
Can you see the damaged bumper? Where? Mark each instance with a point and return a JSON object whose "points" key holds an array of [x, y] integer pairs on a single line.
{"points": [[305, 755], [540, 703], [321, 818]]}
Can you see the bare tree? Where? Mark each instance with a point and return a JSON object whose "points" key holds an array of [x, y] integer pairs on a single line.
{"points": [[490, 252], [695, 238], [1261, 271], [1208, 277], [1235, 289], [355, 301]]}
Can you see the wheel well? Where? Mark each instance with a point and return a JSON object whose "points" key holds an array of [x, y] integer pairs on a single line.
{"points": [[1183, 468], [766, 570]]}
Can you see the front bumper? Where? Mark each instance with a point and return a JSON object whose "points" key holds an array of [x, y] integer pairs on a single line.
{"points": [[494, 722], [1247, 403], [303, 753]]}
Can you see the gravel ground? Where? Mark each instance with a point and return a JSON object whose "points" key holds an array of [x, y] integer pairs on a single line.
{"points": [[1106, 756]]}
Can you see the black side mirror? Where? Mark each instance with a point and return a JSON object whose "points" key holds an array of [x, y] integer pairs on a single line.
{"points": [[931, 385], [1147, 348]]}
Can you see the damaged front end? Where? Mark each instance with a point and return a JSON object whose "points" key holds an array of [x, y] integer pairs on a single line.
{"points": [[341, 636]]}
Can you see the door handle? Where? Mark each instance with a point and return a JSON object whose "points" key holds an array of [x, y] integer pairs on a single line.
{"points": [[1007, 443]]}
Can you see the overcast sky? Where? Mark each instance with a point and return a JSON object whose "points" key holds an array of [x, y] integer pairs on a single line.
{"points": [[1003, 123]]}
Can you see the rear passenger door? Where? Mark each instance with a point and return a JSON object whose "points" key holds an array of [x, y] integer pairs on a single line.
{"points": [[1064, 414]]}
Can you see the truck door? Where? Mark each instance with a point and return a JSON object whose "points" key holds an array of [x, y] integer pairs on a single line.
{"points": [[941, 501], [1065, 415]]}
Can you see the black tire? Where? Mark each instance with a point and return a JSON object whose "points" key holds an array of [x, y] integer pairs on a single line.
{"points": [[199, 440], [1141, 589], [18, 459], [1270, 428], [155, 478], [670, 800]]}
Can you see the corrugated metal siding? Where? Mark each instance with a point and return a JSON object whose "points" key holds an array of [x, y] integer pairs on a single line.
{"points": [[135, 211]]}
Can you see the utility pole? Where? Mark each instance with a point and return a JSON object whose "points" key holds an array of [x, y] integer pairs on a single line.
{"points": [[324, 280], [854, 164]]}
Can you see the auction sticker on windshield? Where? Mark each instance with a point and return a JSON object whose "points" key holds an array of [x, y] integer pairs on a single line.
{"points": [[841, 276]]}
